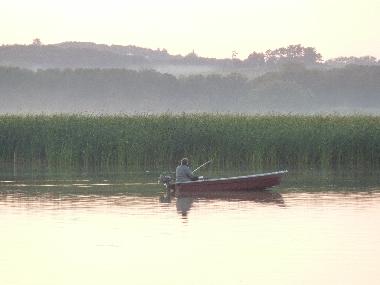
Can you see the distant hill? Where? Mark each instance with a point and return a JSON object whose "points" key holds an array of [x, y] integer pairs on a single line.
{"points": [[75, 55], [90, 55]]}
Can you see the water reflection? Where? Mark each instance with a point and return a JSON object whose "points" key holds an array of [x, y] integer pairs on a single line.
{"points": [[183, 205], [85, 193], [113, 233], [185, 202]]}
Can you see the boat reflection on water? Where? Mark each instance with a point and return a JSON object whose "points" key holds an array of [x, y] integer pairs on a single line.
{"points": [[183, 205], [185, 202]]}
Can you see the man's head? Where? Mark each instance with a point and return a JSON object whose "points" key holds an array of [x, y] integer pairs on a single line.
{"points": [[185, 161]]}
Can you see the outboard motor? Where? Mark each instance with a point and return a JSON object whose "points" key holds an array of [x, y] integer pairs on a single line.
{"points": [[165, 179]]}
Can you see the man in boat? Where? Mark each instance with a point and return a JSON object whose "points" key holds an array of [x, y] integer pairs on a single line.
{"points": [[183, 172]]}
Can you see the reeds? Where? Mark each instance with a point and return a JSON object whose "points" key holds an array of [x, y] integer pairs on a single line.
{"points": [[157, 142]]}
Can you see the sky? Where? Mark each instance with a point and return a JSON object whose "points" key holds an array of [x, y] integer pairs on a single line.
{"points": [[209, 28]]}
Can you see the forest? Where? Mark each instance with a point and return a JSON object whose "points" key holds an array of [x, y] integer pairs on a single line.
{"points": [[293, 88], [79, 77]]}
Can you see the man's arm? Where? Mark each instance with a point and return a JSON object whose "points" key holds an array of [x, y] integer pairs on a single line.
{"points": [[190, 174]]}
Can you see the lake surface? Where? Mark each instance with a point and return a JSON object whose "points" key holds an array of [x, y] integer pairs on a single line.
{"points": [[313, 229]]}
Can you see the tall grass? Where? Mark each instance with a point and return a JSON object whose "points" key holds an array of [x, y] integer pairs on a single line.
{"points": [[157, 142]]}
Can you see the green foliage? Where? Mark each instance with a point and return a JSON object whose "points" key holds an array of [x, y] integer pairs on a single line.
{"points": [[141, 142]]}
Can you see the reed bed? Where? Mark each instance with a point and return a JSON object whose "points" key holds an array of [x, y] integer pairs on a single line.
{"points": [[157, 142]]}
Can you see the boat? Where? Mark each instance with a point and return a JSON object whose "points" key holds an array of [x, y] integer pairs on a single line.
{"points": [[240, 183]]}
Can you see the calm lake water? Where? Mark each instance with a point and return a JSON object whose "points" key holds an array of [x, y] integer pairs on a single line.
{"points": [[313, 229]]}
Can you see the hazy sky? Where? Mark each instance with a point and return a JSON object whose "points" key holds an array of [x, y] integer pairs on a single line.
{"points": [[210, 28]]}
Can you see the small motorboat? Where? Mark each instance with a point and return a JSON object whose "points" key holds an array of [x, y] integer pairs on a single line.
{"points": [[215, 185]]}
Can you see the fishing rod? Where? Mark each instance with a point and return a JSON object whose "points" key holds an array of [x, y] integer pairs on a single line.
{"points": [[202, 165]]}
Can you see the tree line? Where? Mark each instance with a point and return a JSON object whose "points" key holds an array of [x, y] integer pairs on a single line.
{"points": [[90, 55], [291, 89]]}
